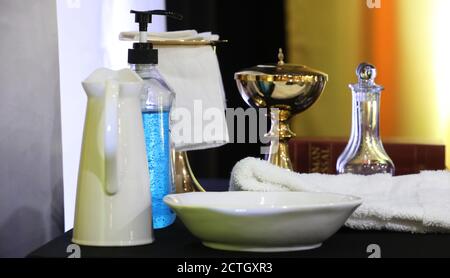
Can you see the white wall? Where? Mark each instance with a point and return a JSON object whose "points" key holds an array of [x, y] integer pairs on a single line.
{"points": [[88, 33], [31, 197]]}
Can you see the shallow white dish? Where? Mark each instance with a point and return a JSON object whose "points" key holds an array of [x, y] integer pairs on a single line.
{"points": [[262, 221]]}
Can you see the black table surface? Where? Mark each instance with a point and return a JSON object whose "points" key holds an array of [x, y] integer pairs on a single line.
{"points": [[176, 242]]}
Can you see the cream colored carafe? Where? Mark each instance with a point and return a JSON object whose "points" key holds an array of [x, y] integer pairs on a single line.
{"points": [[113, 206]]}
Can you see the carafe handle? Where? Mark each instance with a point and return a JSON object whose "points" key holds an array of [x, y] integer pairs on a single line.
{"points": [[111, 136]]}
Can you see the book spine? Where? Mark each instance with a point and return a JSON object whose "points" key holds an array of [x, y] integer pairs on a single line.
{"points": [[321, 156]]}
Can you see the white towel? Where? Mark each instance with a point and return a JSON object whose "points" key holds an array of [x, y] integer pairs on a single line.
{"points": [[414, 203], [198, 114], [173, 35], [199, 110]]}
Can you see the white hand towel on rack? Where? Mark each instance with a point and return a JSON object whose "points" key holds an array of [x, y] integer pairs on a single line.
{"points": [[192, 71], [199, 111], [414, 203], [188, 35]]}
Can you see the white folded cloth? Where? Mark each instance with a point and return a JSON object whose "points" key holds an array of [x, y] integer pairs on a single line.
{"points": [[173, 35], [415, 203]]}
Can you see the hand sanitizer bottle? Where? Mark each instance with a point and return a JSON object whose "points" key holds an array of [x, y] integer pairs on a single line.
{"points": [[365, 154], [156, 102]]}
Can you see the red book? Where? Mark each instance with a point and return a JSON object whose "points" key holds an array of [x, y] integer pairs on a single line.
{"points": [[319, 155]]}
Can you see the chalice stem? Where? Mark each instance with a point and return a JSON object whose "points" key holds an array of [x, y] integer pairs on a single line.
{"points": [[183, 176], [279, 135]]}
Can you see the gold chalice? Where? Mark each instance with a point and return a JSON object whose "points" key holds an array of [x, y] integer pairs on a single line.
{"points": [[286, 90]]}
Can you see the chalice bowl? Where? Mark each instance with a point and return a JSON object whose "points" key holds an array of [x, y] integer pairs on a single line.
{"points": [[286, 90]]}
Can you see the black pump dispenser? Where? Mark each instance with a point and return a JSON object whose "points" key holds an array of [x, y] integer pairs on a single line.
{"points": [[143, 51]]}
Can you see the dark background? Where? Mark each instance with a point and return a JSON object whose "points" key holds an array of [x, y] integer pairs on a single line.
{"points": [[254, 30]]}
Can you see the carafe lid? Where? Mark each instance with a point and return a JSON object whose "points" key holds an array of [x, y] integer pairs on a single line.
{"points": [[279, 72], [366, 74]]}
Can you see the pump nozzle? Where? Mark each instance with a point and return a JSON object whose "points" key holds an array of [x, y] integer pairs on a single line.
{"points": [[143, 52], [145, 17]]}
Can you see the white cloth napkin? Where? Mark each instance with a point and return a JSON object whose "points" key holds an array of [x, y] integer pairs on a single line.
{"points": [[173, 35], [414, 203], [198, 115]]}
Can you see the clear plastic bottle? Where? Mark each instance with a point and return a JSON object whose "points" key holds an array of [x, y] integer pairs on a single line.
{"points": [[156, 103], [365, 154]]}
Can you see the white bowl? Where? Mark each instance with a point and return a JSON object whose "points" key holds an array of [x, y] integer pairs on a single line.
{"points": [[262, 221]]}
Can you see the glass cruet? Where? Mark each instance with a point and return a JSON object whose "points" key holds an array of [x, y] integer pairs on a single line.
{"points": [[364, 153]]}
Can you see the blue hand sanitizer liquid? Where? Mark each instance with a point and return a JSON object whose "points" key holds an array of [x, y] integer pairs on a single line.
{"points": [[157, 139]]}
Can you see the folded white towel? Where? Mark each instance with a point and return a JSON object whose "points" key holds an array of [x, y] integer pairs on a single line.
{"points": [[415, 203], [189, 35], [198, 114], [194, 74]]}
